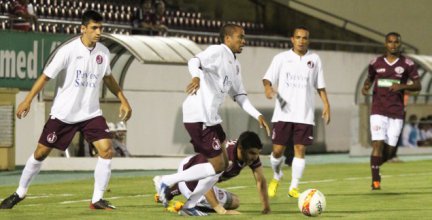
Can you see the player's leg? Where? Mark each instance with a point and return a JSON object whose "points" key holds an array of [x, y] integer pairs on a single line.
{"points": [[95, 132], [281, 134], [393, 134], [378, 128], [31, 169], [302, 137], [207, 142], [229, 201]]}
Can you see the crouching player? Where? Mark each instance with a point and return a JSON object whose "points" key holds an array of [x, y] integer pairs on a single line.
{"points": [[241, 153]]}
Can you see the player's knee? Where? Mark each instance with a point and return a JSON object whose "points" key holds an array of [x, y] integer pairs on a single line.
{"points": [[106, 153]]}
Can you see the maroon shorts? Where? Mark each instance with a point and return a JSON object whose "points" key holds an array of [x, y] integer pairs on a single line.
{"points": [[206, 140], [299, 133], [57, 134]]}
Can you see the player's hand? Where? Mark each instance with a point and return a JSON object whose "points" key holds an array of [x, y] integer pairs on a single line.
{"points": [[266, 211], [326, 114], [263, 124], [23, 109], [396, 87], [365, 90], [125, 111], [193, 87], [269, 92]]}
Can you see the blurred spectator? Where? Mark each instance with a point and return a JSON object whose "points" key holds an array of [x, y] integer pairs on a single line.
{"points": [[147, 14], [411, 132], [159, 16], [23, 15], [425, 135], [150, 16], [119, 140]]}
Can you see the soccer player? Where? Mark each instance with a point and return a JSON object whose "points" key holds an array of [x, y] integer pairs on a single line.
{"points": [[76, 108], [388, 74], [241, 153], [297, 74], [215, 74]]}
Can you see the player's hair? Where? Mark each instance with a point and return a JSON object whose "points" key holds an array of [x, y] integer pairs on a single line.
{"points": [[301, 27], [91, 15], [249, 139], [227, 30], [396, 34]]}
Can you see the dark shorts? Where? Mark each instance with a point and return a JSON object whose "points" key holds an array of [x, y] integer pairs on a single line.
{"points": [[206, 140], [299, 133], [57, 134]]}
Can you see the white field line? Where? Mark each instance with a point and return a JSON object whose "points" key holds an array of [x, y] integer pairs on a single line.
{"points": [[233, 187]]}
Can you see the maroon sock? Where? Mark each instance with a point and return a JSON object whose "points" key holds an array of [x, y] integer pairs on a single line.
{"points": [[375, 163]]}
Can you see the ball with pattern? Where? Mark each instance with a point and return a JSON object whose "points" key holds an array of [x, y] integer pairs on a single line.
{"points": [[312, 202]]}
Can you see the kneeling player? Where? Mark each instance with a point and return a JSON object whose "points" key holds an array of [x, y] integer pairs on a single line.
{"points": [[203, 194]]}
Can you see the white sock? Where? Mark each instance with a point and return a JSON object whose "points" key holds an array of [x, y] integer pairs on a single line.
{"points": [[102, 176], [195, 172], [298, 165], [276, 164], [30, 170], [203, 186]]}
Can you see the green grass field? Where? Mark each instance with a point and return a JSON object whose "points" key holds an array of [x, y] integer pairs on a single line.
{"points": [[406, 194]]}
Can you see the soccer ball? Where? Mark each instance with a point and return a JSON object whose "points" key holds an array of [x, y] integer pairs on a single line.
{"points": [[312, 202]]}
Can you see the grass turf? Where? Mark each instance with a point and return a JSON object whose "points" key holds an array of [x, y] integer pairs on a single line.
{"points": [[406, 194]]}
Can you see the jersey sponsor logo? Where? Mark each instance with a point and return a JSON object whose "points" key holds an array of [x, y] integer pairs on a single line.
{"points": [[51, 138], [310, 64], [83, 79], [79, 57], [99, 59], [381, 70], [399, 70], [216, 144]]}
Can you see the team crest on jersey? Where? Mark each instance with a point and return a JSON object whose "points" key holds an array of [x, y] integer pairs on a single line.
{"points": [[216, 144], [99, 59], [399, 70], [51, 138], [221, 195], [310, 64]]}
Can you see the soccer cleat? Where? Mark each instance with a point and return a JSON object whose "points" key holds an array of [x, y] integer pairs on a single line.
{"points": [[376, 185], [10, 201], [294, 192], [174, 206], [191, 212], [272, 188], [162, 191], [102, 204]]}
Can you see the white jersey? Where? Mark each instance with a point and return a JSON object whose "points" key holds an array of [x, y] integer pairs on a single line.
{"points": [[297, 79], [220, 75], [78, 85]]}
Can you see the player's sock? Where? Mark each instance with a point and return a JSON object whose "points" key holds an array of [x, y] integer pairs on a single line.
{"points": [[202, 187], [195, 172], [276, 164], [298, 166], [30, 170], [102, 176], [375, 163]]}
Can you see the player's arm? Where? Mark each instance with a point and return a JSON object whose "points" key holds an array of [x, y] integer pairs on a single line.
{"points": [[24, 106], [113, 86], [212, 200], [262, 189], [194, 69], [243, 101], [326, 105], [414, 87], [268, 89]]}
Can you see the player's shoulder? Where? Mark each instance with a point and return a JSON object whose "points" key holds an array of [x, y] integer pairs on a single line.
{"points": [[313, 55], [407, 60], [374, 60], [102, 47]]}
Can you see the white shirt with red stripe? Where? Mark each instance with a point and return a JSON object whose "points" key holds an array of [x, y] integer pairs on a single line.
{"points": [[79, 71], [297, 79]]}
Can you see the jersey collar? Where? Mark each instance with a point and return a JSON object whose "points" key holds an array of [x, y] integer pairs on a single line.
{"points": [[226, 47]]}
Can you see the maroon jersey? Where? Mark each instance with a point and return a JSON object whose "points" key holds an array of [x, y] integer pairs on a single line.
{"points": [[383, 75], [234, 165]]}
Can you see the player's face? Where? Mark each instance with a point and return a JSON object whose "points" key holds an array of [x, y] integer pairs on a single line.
{"points": [[236, 41], [250, 155], [92, 31], [300, 41], [393, 44]]}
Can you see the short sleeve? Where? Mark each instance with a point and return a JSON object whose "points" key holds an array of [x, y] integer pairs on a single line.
{"points": [[210, 58], [320, 78], [371, 71], [57, 64], [412, 69]]}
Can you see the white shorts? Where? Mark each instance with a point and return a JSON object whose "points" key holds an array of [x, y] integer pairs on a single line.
{"points": [[224, 197], [385, 129]]}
